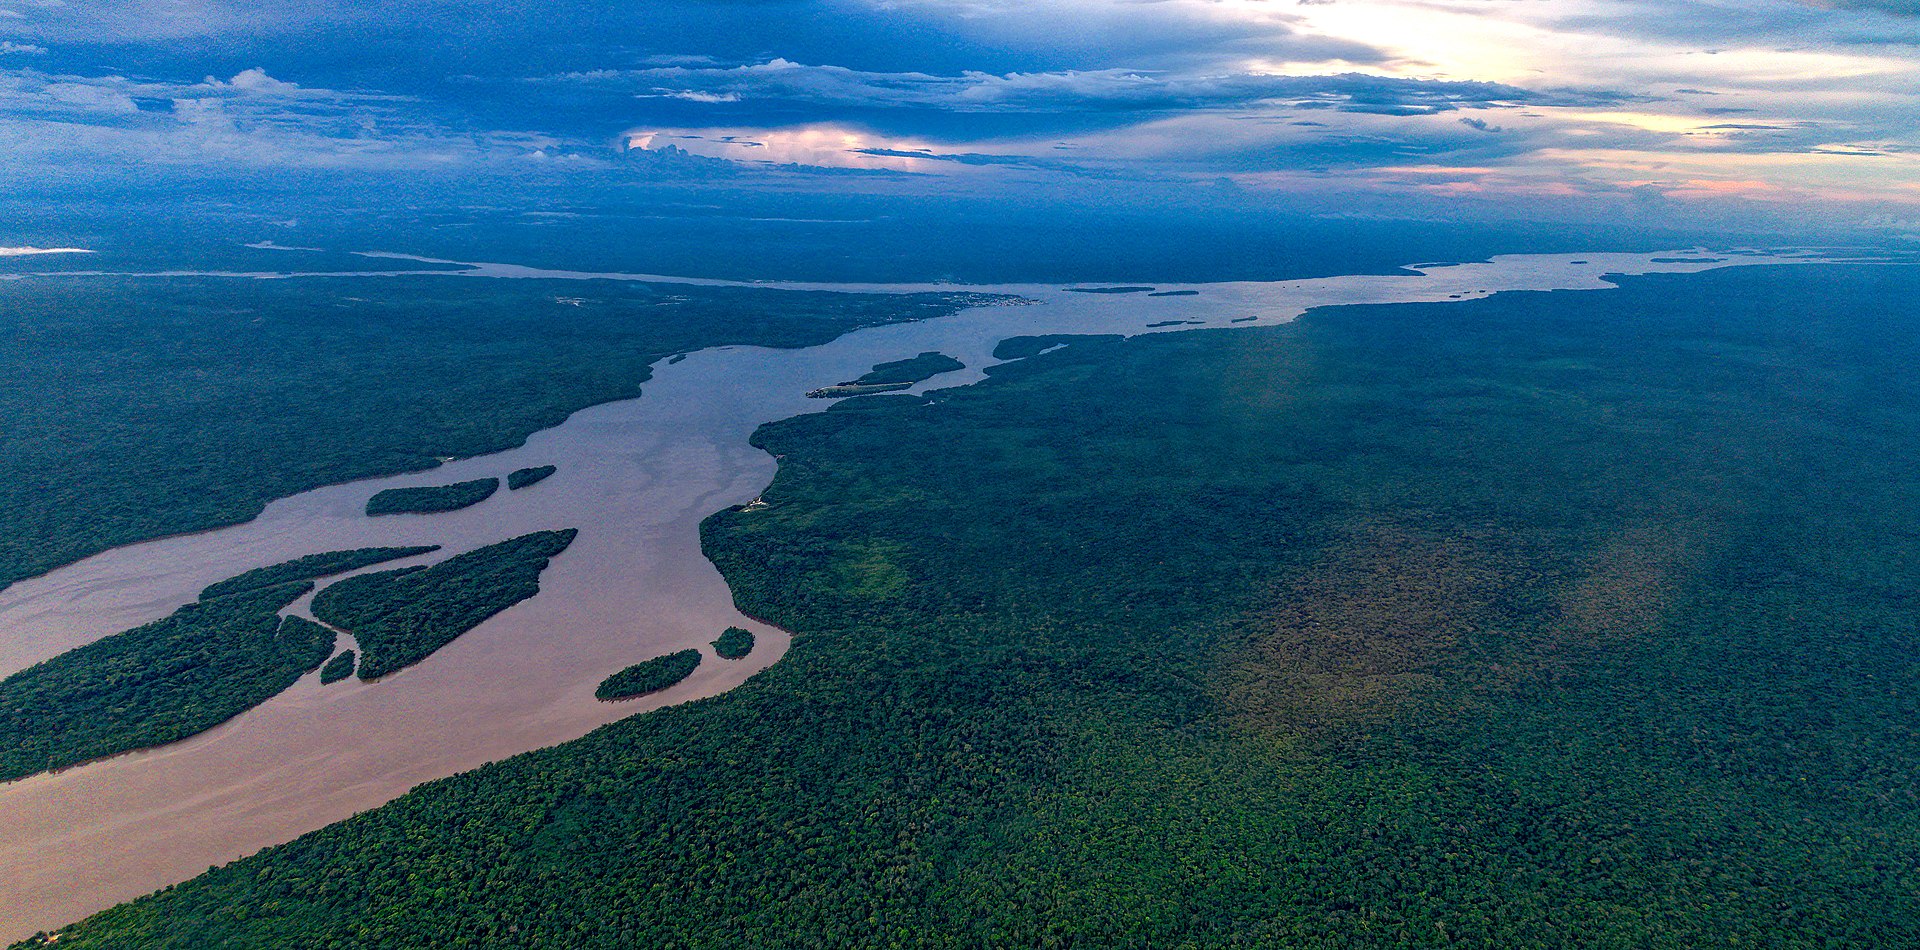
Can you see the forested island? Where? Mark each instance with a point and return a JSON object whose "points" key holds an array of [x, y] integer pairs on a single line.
{"points": [[401, 617], [649, 676], [178, 676], [733, 644], [206, 663], [892, 376], [525, 477], [432, 499], [312, 566], [1536, 620], [338, 668]]}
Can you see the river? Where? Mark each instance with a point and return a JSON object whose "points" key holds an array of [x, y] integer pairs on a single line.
{"points": [[636, 477]]}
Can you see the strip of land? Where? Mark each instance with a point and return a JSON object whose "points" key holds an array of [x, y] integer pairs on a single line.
{"points": [[892, 376], [432, 499], [401, 617], [649, 676]]}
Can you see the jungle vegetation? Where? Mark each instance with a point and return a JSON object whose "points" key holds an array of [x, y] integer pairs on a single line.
{"points": [[338, 668], [1542, 620], [204, 664], [310, 567], [401, 617], [733, 643], [911, 370], [522, 477], [648, 676], [892, 376], [432, 499], [138, 408]]}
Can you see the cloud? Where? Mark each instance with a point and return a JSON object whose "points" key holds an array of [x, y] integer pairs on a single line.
{"points": [[255, 81], [1714, 25], [31, 251], [1893, 8], [34, 92], [961, 158], [1573, 96], [1182, 34], [1107, 90], [825, 146], [66, 126]]}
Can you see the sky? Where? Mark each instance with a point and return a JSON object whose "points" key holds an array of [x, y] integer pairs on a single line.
{"points": [[1598, 110]]}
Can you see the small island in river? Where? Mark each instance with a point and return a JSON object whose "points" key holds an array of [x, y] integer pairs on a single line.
{"points": [[401, 617], [733, 644], [432, 499], [650, 676], [524, 477], [892, 377]]}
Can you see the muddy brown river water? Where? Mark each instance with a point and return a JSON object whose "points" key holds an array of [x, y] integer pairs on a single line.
{"points": [[636, 477]]}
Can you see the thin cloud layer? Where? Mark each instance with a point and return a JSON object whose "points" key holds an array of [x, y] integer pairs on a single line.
{"points": [[1109, 90]]}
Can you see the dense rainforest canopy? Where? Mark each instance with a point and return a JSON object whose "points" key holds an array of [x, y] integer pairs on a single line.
{"points": [[175, 677], [138, 407], [524, 477], [432, 499], [649, 676], [1545, 620], [733, 644], [892, 376], [186, 673], [401, 617], [338, 668]]}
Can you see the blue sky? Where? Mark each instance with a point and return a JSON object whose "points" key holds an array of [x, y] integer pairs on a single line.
{"points": [[1680, 109]]}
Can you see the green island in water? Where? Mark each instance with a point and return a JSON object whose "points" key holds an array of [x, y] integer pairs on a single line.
{"points": [[1541, 619], [526, 477], [649, 676], [893, 376], [401, 617], [338, 668], [432, 499], [175, 677], [733, 644], [1021, 347]]}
